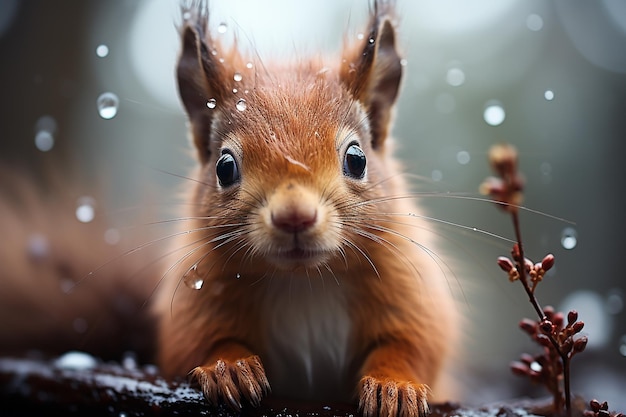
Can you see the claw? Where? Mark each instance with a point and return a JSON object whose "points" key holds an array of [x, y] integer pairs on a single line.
{"points": [[230, 382], [390, 398]]}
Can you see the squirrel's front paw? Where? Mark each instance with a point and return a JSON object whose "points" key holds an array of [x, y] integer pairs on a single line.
{"points": [[229, 382], [390, 398]]}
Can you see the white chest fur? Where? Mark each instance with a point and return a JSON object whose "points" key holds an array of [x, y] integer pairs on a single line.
{"points": [[307, 335]]}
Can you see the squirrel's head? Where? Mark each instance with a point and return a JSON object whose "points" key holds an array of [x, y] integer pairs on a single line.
{"points": [[291, 155]]}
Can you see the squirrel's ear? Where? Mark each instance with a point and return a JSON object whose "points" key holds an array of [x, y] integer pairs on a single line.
{"points": [[199, 80], [372, 72]]}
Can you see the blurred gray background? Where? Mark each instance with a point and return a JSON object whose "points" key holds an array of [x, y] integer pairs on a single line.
{"points": [[549, 77]]}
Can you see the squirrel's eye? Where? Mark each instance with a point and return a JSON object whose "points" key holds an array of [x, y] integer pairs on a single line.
{"points": [[226, 169], [354, 162]]}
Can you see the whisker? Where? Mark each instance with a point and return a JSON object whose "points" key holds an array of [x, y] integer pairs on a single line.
{"points": [[441, 221], [458, 196], [160, 281], [329, 269], [176, 264], [420, 216], [184, 177], [384, 242], [262, 278], [151, 106], [139, 248], [439, 261], [306, 271], [182, 219], [409, 239], [228, 238], [367, 258], [321, 277], [240, 247]]}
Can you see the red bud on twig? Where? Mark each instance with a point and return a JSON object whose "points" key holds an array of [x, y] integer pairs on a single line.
{"points": [[580, 344], [505, 264], [547, 262], [578, 326], [572, 316], [546, 326]]}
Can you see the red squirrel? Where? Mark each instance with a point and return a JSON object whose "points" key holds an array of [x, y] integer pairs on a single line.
{"points": [[304, 267], [308, 272]]}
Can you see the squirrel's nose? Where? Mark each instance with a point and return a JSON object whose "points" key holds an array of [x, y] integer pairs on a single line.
{"points": [[293, 208], [294, 219]]}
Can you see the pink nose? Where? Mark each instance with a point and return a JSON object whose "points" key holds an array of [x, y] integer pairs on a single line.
{"points": [[294, 219]]}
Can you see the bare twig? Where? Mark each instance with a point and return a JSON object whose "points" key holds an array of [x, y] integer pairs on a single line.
{"points": [[557, 340]]}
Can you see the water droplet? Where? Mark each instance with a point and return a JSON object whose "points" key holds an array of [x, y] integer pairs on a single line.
{"points": [[45, 128], [187, 15], [235, 91], [455, 77], [238, 276], [249, 65], [371, 41], [129, 361], [237, 77], [436, 175], [211, 103], [44, 141], [222, 27], [548, 95], [85, 210], [536, 366], [615, 301], [569, 238], [360, 36], [108, 104], [76, 361], [112, 236], [534, 22], [494, 113], [37, 246], [241, 105], [463, 157], [404, 62], [122, 414], [67, 285], [622, 346], [151, 369], [102, 51], [193, 279]]}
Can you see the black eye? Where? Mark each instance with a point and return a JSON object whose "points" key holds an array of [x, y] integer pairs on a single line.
{"points": [[226, 169], [354, 162]]}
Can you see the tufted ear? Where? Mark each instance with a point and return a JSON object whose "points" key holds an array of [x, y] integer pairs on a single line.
{"points": [[372, 71], [200, 78]]}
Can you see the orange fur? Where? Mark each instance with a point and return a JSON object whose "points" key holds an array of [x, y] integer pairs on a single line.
{"points": [[314, 280]]}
